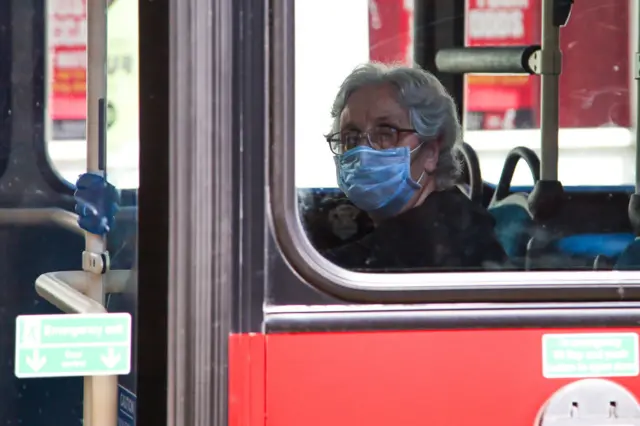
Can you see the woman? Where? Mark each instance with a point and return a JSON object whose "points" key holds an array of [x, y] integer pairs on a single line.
{"points": [[394, 138]]}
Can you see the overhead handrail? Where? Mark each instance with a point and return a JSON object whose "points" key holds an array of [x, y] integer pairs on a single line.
{"points": [[39, 216], [490, 59]]}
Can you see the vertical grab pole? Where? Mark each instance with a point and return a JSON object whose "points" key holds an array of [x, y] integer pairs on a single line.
{"points": [[635, 30], [550, 67], [100, 392]]}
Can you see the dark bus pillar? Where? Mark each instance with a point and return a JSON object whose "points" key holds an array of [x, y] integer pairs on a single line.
{"points": [[439, 25]]}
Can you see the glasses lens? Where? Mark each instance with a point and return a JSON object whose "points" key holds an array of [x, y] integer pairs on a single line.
{"points": [[349, 140], [335, 144], [384, 137]]}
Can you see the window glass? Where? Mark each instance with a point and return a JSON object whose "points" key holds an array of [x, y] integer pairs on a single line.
{"points": [[502, 111], [55, 264], [376, 212], [66, 85], [323, 58]]}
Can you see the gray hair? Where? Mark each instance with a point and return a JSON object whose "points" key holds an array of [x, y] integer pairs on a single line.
{"points": [[432, 110]]}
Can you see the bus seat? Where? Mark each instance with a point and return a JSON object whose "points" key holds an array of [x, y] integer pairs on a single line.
{"points": [[588, 250], [629, 259], [592, 245], [513, 211], [513, 228]]}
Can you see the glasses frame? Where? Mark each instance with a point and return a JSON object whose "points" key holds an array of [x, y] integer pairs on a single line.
{"points": [[331, 138]]}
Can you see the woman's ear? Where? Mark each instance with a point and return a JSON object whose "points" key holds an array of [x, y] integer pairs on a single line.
{"points": [[430, 154]]}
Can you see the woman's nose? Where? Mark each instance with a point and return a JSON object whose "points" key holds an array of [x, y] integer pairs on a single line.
{"points": [[364, 139]]}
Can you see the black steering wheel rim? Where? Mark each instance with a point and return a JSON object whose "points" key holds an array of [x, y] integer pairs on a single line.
{"points": [[471, 169], [516, 154]]}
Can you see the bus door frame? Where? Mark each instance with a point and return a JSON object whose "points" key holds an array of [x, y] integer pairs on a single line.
{"points": [[151, 366], [203, 186]]}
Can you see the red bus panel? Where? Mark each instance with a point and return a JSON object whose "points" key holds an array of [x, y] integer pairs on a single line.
{"points": [[436, 378]]}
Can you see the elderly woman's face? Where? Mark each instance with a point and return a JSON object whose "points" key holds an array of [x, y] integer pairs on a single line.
{"points": [[376, 179], [373, 106]]}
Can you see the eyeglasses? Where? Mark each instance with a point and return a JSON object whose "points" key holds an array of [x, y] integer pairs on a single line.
{"points": [[380, 137]]}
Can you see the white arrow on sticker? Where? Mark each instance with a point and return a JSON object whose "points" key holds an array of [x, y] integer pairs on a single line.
{"points": [[111, 358], [36, 362]]}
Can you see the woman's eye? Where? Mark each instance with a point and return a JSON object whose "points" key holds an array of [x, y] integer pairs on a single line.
{"points": [[350, 140], [385, 134]]}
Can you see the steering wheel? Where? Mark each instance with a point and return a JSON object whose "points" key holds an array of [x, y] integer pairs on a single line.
{"points": [[471, 170], [515, 155]]}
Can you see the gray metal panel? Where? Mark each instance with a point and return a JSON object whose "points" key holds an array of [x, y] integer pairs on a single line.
{"points": [[250, 151], [201, 210]]}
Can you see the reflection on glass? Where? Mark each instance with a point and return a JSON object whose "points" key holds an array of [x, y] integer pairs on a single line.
{"points": [[66, 114], [369, 166], [502, 111]]}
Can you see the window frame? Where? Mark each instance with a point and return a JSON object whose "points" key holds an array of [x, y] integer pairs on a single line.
{"points": [[359, 287]]}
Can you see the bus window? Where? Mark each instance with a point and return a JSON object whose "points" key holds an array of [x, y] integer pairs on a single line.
{"points": [[502, 111], [345, 211], [66, 85], [55, 258]]}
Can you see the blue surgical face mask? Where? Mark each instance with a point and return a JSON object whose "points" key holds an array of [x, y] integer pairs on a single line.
{"points": [[377, 181]]}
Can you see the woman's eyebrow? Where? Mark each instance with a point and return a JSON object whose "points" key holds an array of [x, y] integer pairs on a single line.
{"points": [[348, 126], [387, 119], [382, 119]]}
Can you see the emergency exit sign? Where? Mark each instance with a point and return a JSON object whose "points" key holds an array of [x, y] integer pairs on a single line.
{"points": [[69, 345], [590, 355]]}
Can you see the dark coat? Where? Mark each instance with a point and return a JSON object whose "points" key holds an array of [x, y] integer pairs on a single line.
{"points": [[447, 232]]}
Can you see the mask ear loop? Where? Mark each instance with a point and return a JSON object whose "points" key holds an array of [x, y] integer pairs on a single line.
{"points": [[424, 172], [422, 176]]}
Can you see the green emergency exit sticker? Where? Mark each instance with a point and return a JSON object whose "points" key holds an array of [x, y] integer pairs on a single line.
{"points": [[69, 345], [590, 355]]}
